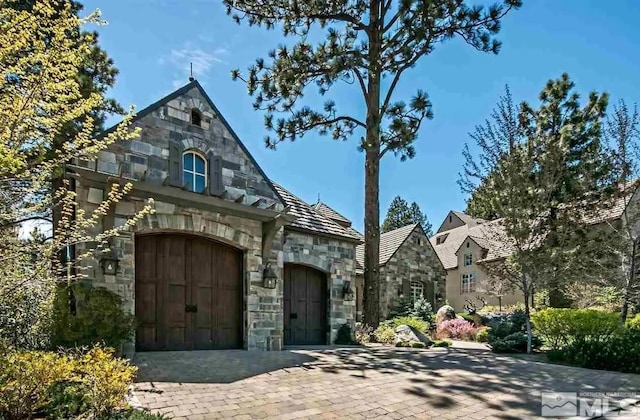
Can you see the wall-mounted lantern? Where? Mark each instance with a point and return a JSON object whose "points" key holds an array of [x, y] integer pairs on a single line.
{"points": [[347, 292], [400, 292], [269, 277], [109, 262], [438, 297]]}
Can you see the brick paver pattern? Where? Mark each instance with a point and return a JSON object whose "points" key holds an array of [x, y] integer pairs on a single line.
{"points": [[357, 383]]}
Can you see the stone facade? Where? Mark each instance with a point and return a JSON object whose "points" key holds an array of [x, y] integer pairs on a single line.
{"points": [[334, 257], [414, 260], [251, 220], [147, 158]]}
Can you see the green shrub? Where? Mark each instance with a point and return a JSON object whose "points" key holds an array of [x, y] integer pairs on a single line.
{"points": [[63, 385], [343, 336], [418, 344], [100, 318], [411, 321], [385, 333], [514, 343], [509, 334], [560, 327], [402, 344], [402, 307], [26, 377], [442, 343], [482, 335], [619, 352], [422, 310], [633, 322]]}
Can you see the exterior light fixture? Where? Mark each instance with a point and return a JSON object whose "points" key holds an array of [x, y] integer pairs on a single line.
{"points": [[347, 292], [269, 277], [109, 262]]}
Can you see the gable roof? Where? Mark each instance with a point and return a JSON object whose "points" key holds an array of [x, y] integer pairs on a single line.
{"points": [[309, 219], [181, 91], [330, 213], [491, 235], [390, 242]]}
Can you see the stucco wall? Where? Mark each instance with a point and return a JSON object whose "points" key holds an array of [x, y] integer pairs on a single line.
{"points": [[454, 294], [334, 257]]}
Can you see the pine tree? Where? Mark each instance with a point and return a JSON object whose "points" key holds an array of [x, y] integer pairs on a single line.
{"points": [[400, 214], [571, 170], [365, 41]]}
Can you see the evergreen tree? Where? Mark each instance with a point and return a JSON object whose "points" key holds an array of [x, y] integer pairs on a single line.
{"points": [[365, 41], [550, 168], [400, 214]]}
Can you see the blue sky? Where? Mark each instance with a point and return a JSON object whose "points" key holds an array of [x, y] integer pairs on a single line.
{"points": [[152, 43]]}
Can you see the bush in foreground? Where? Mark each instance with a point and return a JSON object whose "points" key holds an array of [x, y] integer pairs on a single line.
{"points": [[63, 385], [509, 334], [561, 327], [457, 329]]}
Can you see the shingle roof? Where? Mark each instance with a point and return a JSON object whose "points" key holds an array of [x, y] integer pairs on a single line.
{"points": [[389, 244], [307, 218], [469, 220], [492, 237], [330, 213]]}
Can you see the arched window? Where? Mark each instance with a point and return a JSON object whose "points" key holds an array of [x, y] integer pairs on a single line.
{"points": [[194, 171], [196, 117], [417, 290]]}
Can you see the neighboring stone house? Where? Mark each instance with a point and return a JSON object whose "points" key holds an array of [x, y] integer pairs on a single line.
{"points": [[199, 273], [408, 267], [464, 243]]}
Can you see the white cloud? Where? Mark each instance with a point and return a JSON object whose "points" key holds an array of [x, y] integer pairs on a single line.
{"points": [[203, 60]]}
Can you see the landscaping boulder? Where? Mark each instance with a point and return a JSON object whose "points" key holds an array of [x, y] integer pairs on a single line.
{"points": [[407, 334], [445, 313]]}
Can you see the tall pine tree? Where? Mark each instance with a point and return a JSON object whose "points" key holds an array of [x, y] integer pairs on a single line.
{"points": [[570, 170], [400, 214], [364, 43]]}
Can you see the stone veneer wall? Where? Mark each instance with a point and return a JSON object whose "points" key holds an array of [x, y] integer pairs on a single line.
{"points": [[263, 323], [147, 158], [414, 260], [334, 257]]}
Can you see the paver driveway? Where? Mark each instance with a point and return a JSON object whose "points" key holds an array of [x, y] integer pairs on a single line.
{"points": [[357, 383]]}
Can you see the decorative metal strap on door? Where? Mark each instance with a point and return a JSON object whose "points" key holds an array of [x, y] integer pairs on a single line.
{"points": [[191, 308]]}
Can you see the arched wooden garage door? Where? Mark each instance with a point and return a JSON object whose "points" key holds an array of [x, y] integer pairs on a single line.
{"points": [[188, 293], [305, 305]]}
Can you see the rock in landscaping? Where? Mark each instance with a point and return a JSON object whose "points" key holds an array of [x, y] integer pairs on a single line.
{"points": [[406, 334], [445, 313]]}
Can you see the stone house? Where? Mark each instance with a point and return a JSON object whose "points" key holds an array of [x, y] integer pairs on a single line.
{"points": [[409, 266], [228, 260]]}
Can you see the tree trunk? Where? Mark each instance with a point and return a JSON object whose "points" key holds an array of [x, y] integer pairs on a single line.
{"points": [[371, 304], [527, 312], [624, 311], [557, 298]]}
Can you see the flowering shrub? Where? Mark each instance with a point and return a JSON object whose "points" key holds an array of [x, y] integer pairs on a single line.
{"points": [[385, 333], [63, 385], [457, 328], [363, 333]]}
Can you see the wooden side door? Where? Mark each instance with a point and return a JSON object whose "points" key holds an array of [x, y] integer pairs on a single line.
{"points": [[305, 315]]}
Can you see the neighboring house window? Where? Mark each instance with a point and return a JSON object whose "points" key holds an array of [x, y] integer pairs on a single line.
{"points": [[417, 290], [468, 259], [194, 171], [196, 117], [468, 283]]}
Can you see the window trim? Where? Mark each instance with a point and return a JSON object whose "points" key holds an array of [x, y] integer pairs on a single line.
{"points": [[412, 288], [468, 280], [192, 172]]}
